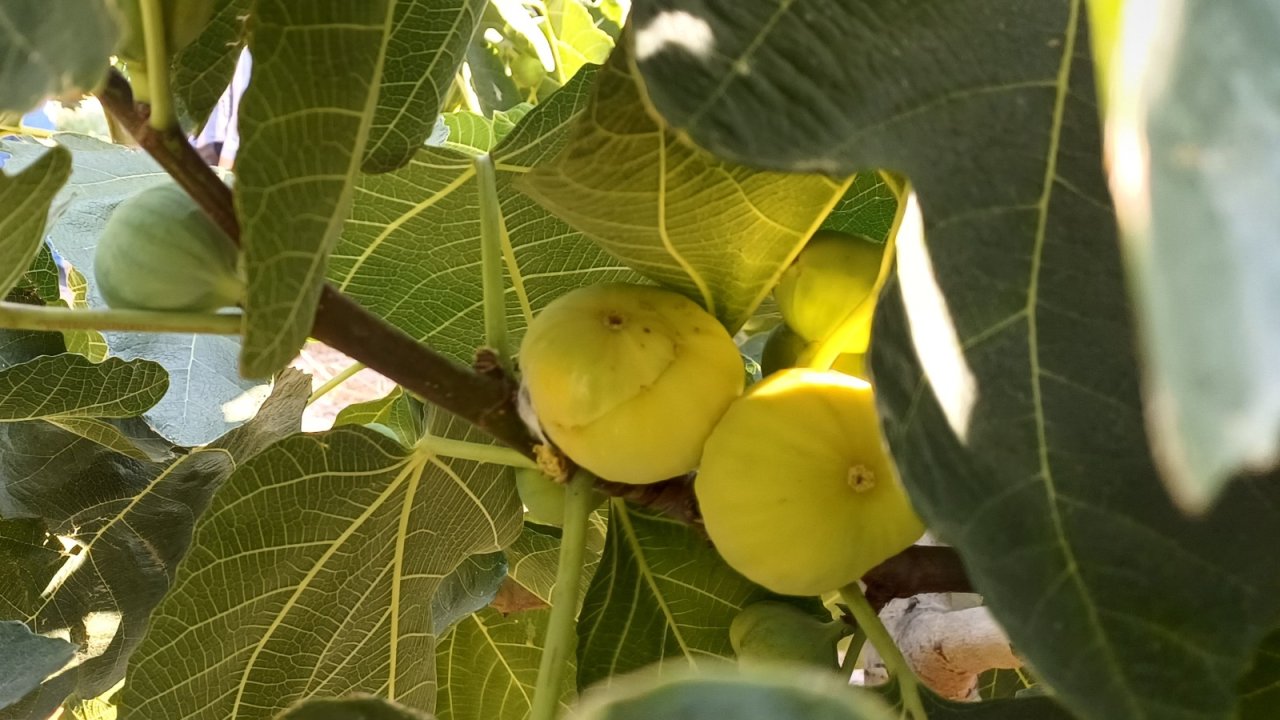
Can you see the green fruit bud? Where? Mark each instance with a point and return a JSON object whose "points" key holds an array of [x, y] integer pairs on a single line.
{"points": [[544, 498], [160, 251], [629, 380], [781, 350], [527, 71], [775, 631], [797, 489], [833, 276]]}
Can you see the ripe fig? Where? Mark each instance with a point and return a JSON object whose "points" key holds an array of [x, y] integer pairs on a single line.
{"points": [[159, 251], [775, 631], [833, 276], [796, 488], [629, 380]]}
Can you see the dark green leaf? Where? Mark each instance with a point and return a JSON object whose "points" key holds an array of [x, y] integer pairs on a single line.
{"points": [[203, 69], [1260, 688], [62, 386], [313, 574], [468, 589], [774, 693], [125, 525], [1003, 357], [494, 88], [660, 595], [305, 120], [1195, 140], [1032, 708], [26, 659], [25, 200], [867, 208], [356, 707], [279, 417], [717, 232], [398, 411], [52, 47], [423, 55]]}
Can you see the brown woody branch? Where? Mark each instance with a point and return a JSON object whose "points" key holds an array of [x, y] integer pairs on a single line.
{"points": [[918, 569]]}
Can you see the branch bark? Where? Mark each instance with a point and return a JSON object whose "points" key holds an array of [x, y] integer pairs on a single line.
{"points": [[918, 569]]}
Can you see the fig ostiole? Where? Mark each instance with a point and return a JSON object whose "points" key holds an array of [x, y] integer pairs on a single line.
{"points": [[629, 380], [772, 631], [160, 251], [796, 487], [830, 284]]}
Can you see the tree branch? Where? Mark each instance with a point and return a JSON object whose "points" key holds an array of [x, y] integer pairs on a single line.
{"points": [[918, 569]]}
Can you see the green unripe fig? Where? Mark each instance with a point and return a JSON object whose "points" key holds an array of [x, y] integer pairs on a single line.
{"points": [[527, 71], [833, 276], [544, 498], [772, 631], [183, 21], [159, 251], [796, 487], [628, 380]]}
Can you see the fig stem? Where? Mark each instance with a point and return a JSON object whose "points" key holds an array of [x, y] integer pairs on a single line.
{"points": [[830, 347], [332, 383], [492, 234], [559, 645], [850, 663], [17, 316], [869, 622], [478, 452], [153, 30]]}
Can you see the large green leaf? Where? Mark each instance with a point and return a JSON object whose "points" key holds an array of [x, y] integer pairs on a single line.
{"points": [[411, 249], [51, 47], [660, 595], [767, 693], [1194, 123], [489, 666], [425, 50], [26, 659], [468, 589], [25, 200], [535, 556], [313, 575], [1260, 688], [207, 396], [304, 123], [125, 524], [1003, 356], [57, 386], [359, 707], [721, 233], [203, 69]]}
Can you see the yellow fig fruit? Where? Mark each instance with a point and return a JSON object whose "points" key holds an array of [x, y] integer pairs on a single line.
{"points": [[629, 380], [833, 276], [796, 487]]}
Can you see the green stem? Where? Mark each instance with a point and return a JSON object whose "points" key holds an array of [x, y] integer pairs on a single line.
{"points": [[561, 637], [16, 316], [829, 349], [856, 641], [162, 117], [23, 130], [869, 622], [333, 382], [478, 452], [492, 231]]}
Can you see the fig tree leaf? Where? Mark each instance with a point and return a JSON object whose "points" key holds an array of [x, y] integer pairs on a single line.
{"points": [[304, 121], [535, 555], [768, 693], [207, 397], [26, 659], [25, 199], [279, 417], [1039, 708], [660, 595], [357, 707], [399, 411], [203, 69], [424, 52], [1003, 355], [577, 39], [123, 526], [718, 232], [488, 666], [313, 575], [411, 249], [867, 208], [468, 589], [70, 386], [52, 47], [1195, 142], [1260, 688]]}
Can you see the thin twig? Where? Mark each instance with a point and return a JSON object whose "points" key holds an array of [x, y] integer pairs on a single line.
{"points": [[918, 569]]}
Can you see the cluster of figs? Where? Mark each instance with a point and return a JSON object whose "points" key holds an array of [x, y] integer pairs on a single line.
{"points": [[639, 384]]}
